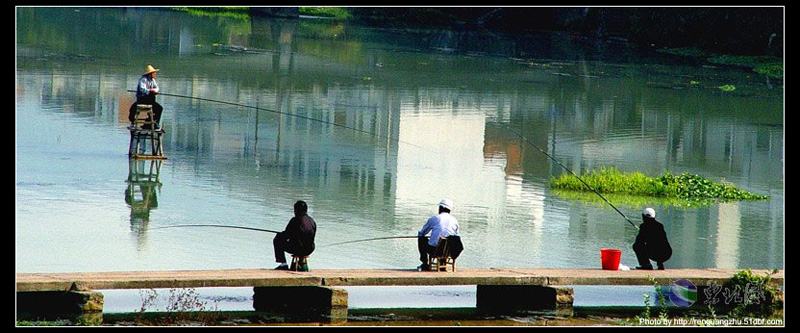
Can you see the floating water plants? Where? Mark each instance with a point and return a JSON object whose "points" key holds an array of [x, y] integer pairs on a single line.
{"points": [[773, 70], [682, 190]]}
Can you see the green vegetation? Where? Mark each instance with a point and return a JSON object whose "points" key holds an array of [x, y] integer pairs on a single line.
{"points": [[683, 189], [769, 66], [184, 306], [662, 301], [332, 12], [62, 322], [629, 201], [609, 180], [685, 51], [764, 65], [759, 297], [745, 296], [742, 60], [772, 70], [239, 13], [693, 186]]}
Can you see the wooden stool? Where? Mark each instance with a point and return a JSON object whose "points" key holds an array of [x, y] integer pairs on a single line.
{"points": [[144, 117], [143, 130], [440, 258], [299, 263]]}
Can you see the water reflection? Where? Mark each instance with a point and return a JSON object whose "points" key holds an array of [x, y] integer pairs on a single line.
{"points": [[726, 255], [141, 195], [436, 109]]}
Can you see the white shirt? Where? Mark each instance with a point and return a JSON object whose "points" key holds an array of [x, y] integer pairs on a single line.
{"points": [[442, 225]]}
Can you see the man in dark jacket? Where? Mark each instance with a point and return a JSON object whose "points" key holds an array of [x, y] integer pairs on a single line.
{"points": [[297, 238], [651, 242]]}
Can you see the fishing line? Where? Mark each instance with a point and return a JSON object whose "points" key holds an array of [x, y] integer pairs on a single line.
{"points": [[292, 115], [215, 225], [275, 232], [367, 240], [570, 172]]}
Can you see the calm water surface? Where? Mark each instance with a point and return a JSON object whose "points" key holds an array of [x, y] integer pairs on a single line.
{"points": [[419, 115]]}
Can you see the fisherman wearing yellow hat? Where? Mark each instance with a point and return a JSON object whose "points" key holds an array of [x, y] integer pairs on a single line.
{"points": [[146, 91]]}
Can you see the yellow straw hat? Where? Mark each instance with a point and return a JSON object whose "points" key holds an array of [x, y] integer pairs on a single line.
{"points": [[149, 69]]}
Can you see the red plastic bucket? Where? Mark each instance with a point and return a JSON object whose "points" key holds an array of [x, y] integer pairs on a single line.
{"points": [[610, 258]]}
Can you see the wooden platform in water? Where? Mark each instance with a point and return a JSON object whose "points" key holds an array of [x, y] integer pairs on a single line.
{"points": [[368, 277]]}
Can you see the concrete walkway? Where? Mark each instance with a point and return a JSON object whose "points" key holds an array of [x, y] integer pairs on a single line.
{"points": [[367, 277], [318, 294]]}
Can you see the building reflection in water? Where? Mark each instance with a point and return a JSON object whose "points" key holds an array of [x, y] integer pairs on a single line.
{"points": [[141, 194]]}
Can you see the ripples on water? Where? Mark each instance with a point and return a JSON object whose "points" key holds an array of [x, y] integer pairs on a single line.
{"points": [[436, 120]]}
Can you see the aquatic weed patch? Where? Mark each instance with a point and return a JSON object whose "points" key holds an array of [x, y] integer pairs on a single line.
{"points": [[768, 66], [630, 201], [690, 189], [689, 186], [608, 180], [239, 13], [332, 12]]}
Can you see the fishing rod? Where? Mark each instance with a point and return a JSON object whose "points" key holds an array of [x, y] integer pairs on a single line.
{"points": [[368, 239], [215, 225], [290, 114], [570, 171], [275, 232]]}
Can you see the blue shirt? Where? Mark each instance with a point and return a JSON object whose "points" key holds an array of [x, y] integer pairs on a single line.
{"points": [[145, 84], [442, 225]]}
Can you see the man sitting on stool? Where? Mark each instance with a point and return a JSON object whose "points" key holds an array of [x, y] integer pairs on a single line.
{"points": [[297, 238], [440, 225], [146, 91]]}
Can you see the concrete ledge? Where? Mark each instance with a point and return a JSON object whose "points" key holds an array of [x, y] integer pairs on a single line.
{"points": [[163, 279], [312, 293], [84, 307], [523, 297], [308, 302], [368, 277], [415, 278]]}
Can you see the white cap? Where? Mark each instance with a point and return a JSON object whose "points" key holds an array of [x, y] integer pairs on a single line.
{"points": [[446, 203], [649, 212]]}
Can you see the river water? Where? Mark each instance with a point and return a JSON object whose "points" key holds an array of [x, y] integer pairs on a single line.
{"points": [[372, 127]]}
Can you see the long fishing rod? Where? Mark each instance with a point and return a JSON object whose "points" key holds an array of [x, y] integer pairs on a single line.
{"points": [[292, 115], [570, 171], [215, 225], [367, 240], [275, 232]]}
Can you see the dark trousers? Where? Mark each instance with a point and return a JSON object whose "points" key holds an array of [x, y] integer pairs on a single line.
{"points": [[282, 244], [644, 255], [157, 108], [424, 249]]}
